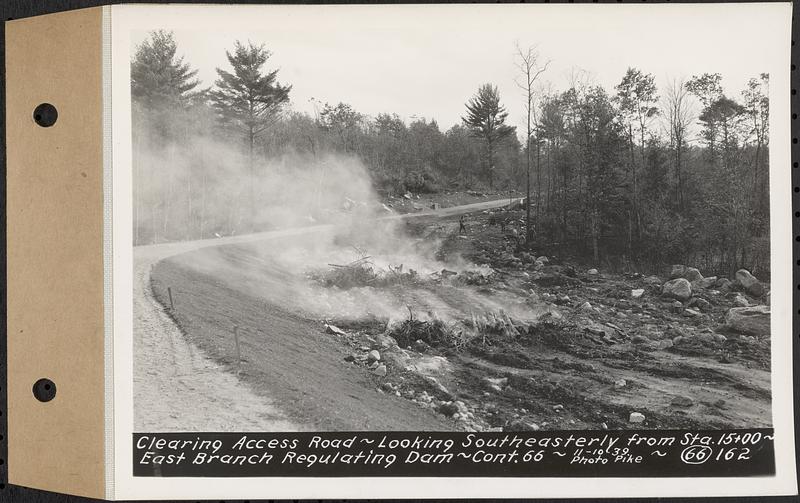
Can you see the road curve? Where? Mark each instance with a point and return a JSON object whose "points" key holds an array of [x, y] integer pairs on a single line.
{"points": [[176, 386]]}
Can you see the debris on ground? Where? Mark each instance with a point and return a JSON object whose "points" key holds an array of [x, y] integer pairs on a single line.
{"points": [[333, 329], [492, 370], [362, 272]]}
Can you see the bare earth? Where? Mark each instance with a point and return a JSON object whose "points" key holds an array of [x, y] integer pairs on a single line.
{"points": [[294, 375], [178, 387]]}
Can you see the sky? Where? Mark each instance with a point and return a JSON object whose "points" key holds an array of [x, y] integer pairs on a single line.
{"points": [[427, 61]]}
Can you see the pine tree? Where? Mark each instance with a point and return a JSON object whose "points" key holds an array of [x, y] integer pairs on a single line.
{"points": [[161, 82], [486, 119], [248, 99]]}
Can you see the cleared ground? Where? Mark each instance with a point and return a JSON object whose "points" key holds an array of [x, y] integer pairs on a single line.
{"points": [[578, 368]]}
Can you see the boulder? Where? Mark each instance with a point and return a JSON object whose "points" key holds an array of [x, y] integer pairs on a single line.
{"points": [[749, 283], [677, 271], [637, 293], [586, 307], [543, 259], [679, 288], [749, 320], [652, 280], [373, 356], [592, 272], [380, 370], [692, 274], [636, 417], [691, 313]]}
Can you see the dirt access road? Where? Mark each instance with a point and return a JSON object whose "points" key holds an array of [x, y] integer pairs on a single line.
{"points": [[177, 387]]}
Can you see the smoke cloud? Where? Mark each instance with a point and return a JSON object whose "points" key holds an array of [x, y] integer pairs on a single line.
{"points": [[202, 189]]}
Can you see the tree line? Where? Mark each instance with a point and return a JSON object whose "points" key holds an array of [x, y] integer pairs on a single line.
{"points": [[634, 177]]}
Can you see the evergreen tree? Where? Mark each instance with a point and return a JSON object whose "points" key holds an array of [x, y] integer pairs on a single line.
{"points": [[161, 83], [486, 119], [248, 99]]}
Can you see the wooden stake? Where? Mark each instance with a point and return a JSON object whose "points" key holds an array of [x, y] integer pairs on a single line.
{"points": [[171, 304]]}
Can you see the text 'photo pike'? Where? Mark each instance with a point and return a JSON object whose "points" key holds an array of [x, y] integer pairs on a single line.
{"points": [[548, 244]]}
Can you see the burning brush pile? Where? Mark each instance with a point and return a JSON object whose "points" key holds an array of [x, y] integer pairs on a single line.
{"points": [[433, 332], [484, 329], [362, 272]]}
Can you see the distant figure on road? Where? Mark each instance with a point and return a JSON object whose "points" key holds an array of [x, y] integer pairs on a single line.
{"points": [[462, 229]]}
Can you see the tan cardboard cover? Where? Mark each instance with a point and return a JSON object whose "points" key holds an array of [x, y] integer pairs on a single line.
{"points": [[55, 252]]}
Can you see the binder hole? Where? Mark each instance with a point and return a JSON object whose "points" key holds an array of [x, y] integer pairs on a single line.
{"points": [[45, 115], [44, 390]]}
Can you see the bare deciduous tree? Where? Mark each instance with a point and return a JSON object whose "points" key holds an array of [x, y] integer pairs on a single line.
{"points": [[678, 117], [530, 69]]}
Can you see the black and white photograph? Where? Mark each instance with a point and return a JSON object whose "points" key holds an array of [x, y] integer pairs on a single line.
{"points": [[402, 251], [451, 223]]}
